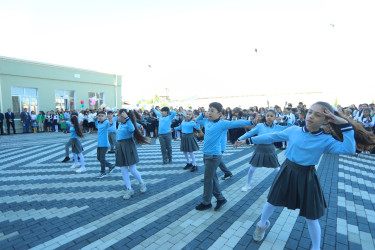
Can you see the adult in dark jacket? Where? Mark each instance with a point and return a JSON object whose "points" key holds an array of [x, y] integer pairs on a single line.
{"points": [[9, 116], [1, 123], [25, 119]]}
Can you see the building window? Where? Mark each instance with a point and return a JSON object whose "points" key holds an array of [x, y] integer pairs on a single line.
{"points": [[64, 100], [24, 98], [96, 99]]}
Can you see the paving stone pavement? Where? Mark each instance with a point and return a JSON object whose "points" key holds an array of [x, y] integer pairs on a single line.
{"points": [[46, 205]]}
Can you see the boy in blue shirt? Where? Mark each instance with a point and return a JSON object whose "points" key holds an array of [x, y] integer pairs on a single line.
{"points": [[111, 131], [165, 135], [212, 151], [102, 124]]}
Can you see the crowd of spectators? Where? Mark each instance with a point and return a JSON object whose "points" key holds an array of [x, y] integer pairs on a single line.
{"points": [[56, 120]]}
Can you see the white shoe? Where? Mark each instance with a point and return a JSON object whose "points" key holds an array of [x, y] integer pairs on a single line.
{"points": [[245, 188], [260, 231], [75, 166], [81, 170], [142, 187], [128, 194]]}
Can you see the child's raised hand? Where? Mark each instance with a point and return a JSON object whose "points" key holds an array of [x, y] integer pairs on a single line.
{"points": [[124, 114], [333, 118]]}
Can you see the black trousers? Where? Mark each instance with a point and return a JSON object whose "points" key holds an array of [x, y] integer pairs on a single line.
{"points": [[1, 127], [8, 127]]}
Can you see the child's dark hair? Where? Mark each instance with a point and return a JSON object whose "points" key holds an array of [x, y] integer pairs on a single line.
{"points": [[75, 122], [109, 113], [367, 109], [101, 113], [364, 139], [217, 106], [137, 116], [303, 113], [139, 138]]}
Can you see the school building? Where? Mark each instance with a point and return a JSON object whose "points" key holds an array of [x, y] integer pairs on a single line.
{"points": [[43, 87]]}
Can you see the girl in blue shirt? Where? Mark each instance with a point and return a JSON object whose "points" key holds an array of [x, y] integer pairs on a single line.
{"points": [[75, 134], [296, 185], [188, 142], [126, 151], [264, 154]]}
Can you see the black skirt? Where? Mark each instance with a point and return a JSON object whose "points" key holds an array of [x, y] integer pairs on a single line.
{"points": [[76, 146], [298, 187], [126, 153], [264, 156], [189, 143]]}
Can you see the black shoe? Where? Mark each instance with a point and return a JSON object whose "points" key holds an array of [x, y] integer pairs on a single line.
{"points": [[202, 207], [111, 152], [219, 204], [165, 162], [111, 169], [101, 175], [202, 180], [189, 165], [170, 161], [66, 159], [194, 168], [227, 176]]}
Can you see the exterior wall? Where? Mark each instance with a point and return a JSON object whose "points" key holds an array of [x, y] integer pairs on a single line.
{"points": [[48, 78]]}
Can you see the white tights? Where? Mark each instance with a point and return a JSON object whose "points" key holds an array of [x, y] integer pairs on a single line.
{"points": [[192, 157], [251, 172], [126, 177], [312, 225], [81, 159]]}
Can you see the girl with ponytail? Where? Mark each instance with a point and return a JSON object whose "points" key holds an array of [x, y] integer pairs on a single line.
{"points": [[75, 134], [126, 151], [264, 154], [296, 185]]}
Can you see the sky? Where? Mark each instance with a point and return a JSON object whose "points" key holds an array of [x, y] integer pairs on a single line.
{"points": [[202, 48]]}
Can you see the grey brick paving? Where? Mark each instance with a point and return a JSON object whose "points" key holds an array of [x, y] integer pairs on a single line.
{"points": [[45, 205]]}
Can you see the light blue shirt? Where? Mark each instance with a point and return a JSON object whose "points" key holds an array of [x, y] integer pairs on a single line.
{"points": [[112, 127], [306, 148], [73, 133], [187, 127], [102, 133], [214, 131], [261, 129], [125, 130], [165, 121], [223, 142]]}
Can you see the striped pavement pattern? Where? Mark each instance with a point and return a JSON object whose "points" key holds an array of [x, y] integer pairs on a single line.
{"points": [[46, 205]]}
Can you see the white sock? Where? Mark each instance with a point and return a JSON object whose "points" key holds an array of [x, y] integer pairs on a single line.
{"points": [[277, 169], [266, 214], [315, 233], [82, 160], [187, 157], [283, 143], [192, 156], [125, 176], [250, 175], [75, 159], [56, 128], [136, 174]]}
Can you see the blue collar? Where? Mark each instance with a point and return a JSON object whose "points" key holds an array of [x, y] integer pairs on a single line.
{"points": [[319, 132], [265, 124]]}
